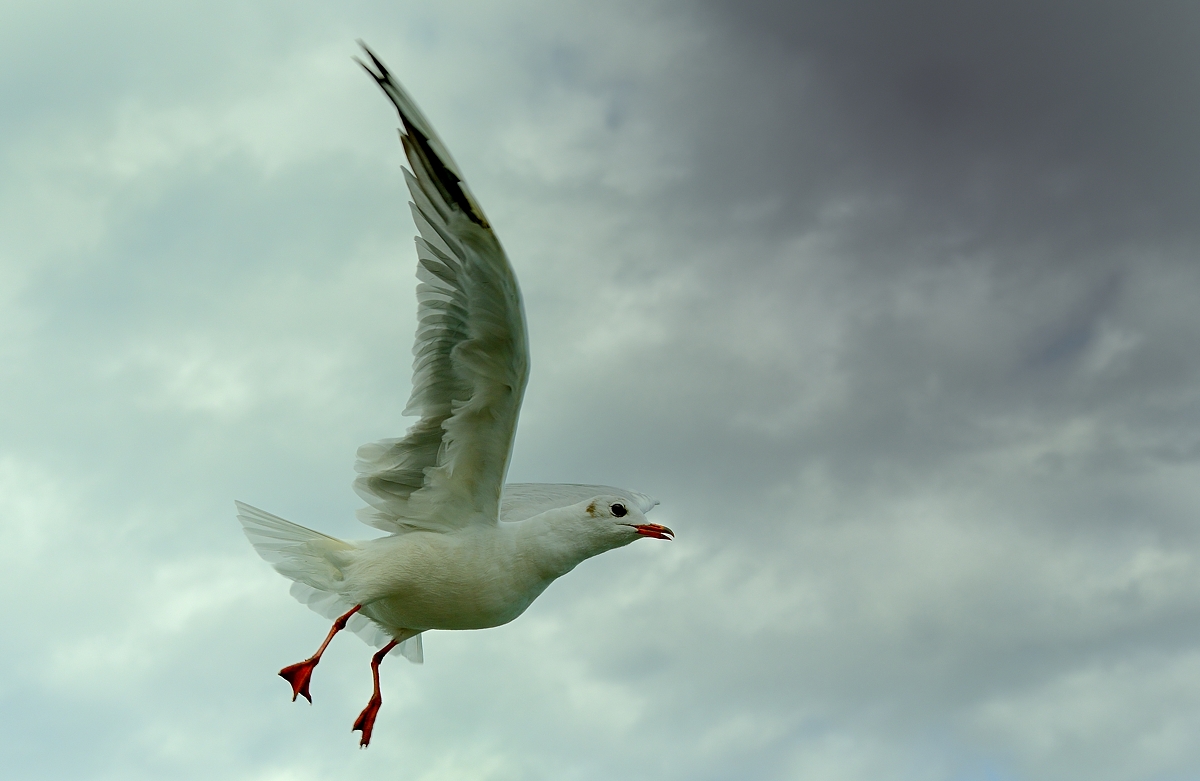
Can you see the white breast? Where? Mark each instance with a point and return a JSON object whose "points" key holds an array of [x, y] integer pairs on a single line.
{"points": [[473, 579]]}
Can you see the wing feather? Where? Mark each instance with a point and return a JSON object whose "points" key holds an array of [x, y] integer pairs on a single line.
{"points": [[470, 356]]}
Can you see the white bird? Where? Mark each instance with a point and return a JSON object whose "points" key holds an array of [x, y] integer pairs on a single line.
{"points": [[465, 551]]}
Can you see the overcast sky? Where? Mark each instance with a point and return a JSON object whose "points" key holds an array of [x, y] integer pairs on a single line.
{"points": [[894, 306]]}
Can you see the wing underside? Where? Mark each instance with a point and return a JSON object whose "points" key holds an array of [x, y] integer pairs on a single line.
{"points": [[471, 356]]}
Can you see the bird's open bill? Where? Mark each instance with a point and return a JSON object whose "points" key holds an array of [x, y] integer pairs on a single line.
{"points": [[654, 530]]}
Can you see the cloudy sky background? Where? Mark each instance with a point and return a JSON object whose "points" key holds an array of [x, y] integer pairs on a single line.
{"points": [[894, 307]]}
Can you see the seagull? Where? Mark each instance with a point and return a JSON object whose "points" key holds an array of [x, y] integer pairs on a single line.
{"points": [[463, 550]]}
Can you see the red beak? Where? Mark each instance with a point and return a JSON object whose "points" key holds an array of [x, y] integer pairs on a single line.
{"points": [[653, 530]]}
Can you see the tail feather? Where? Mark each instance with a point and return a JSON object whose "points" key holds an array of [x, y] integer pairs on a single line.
{"points": [[314, 560], [304, 555]]}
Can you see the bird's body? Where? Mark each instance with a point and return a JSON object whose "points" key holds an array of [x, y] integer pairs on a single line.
{"points": [[462, 580], [465, 551], [471, 578]]}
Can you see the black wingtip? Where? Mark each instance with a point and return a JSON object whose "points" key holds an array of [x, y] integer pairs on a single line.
{"points": [[370, 72], [380, 74], [448, 181], [378, 64]]}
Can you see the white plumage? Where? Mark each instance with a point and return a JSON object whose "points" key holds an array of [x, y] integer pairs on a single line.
{"points": [[465, 551]]}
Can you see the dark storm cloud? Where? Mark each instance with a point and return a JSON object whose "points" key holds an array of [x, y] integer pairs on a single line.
{"points": [[1023, 121]]}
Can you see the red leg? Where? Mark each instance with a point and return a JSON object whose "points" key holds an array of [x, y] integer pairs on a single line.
{"points": [[366, 719], [299, 673]]}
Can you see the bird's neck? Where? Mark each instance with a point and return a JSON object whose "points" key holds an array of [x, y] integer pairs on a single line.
{"points": [[556, 542]]}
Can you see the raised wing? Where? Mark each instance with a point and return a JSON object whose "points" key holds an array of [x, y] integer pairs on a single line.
{"points": [[525, 500], [471, 356]]}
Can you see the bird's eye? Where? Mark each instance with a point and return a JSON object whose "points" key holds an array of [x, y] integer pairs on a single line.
{"points": [[619, 510]]}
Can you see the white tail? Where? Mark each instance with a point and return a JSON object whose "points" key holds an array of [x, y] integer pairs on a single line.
{"points": [[314, 561]]}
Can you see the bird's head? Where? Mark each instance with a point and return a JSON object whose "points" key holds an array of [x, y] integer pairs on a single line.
{"points": [[620, 521], [571, 534]]}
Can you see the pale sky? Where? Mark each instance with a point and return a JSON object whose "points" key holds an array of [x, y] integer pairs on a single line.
{"points": [[892, 305]]}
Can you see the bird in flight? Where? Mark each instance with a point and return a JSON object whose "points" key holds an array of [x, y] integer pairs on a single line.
{"points": [[464, 550]]}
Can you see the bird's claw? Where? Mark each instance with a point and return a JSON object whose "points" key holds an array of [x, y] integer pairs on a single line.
{"points": [[366, 720], [298, 675]]}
